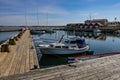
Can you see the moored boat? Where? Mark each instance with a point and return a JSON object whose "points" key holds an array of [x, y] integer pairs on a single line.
{"points": [[90, 56], [37, 32], [70, 46]]}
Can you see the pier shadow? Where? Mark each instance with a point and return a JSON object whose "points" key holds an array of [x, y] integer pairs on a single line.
{"points": [[54, 60]]}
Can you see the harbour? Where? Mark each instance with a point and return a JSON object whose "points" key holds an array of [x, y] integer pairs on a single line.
{"points": [[96, 41], [59, 40], [34, 64]]}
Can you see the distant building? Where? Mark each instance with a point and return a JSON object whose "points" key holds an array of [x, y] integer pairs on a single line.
{"points": [[83, 26], [113, 23], [92, 24], [99, 21]]}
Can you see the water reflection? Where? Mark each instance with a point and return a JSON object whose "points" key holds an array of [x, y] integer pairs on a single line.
{"points": [[54, 60]]}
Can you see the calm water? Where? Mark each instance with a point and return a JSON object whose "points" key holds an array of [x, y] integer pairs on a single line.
{"points": [[6, 35], [99, 43]]}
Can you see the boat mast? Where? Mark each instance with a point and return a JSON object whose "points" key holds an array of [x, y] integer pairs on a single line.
{"points": [[115, 21], [90, 17], [25, 14], [37, 16], [47, 19], [61, 39]]}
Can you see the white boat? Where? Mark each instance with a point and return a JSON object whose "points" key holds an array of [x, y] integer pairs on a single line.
{"points": [[70, 46], [37, 32]]}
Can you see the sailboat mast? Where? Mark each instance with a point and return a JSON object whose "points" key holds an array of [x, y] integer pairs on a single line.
{"points": [[90, 16], [47, 19], [25, 14], [25, 18], [37, 16]]}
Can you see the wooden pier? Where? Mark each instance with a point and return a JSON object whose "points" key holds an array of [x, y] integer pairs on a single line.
{"points": [[21, 57], [105, 68]]}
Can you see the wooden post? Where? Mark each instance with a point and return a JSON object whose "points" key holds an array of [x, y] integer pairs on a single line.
{"points": [[19, 35], [5, 48], [12, 42], [16, 38]]}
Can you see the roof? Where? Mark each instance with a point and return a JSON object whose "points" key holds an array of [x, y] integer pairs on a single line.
{"points": [[97, 20]]}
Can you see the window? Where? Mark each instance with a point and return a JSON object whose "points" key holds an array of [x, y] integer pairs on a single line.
{"points": [[57, 46], [73, 42], [73, 46], [64, 46], [51, 45], [66, 41]]}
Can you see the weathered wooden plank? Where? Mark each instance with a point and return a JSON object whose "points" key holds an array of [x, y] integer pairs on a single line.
{"points": [[31, 60], [20, 59], [27, 67]]}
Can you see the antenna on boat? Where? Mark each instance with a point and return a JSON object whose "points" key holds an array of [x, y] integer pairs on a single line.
{"points": [[61, 39]]}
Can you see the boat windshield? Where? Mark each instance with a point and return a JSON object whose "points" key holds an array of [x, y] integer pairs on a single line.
{"points": [[61, 46], [64, 46], [57, 46], [70, 42], [81, 43], [51, 45]]}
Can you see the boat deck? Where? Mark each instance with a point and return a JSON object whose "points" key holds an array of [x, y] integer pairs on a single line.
{"points": [[21, 58]]}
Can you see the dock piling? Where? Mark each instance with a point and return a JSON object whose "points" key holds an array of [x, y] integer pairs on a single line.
{"points": [[16, 38], [12, 41], [5, 48], [22, 55]]}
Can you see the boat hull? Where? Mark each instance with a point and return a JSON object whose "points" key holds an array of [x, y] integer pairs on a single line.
{"points": [[37, 32], [63, 51]]}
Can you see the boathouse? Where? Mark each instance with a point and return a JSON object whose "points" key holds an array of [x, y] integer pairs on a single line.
{"points": [[83, 26], [114, 23], [99, 21]]}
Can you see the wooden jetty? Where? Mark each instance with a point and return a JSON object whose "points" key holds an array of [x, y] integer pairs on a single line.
{"points": [[21, 56], [105, 68]]}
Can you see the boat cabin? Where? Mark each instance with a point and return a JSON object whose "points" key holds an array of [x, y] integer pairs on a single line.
{"points": [[70, 43], [58, 45]]}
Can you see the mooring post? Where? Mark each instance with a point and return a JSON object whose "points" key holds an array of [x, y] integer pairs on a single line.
{"points": [[12, 41], [5, 47], [16, 38]]}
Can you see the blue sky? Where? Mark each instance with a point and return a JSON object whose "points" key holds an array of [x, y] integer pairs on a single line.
{"points": [[56, 12]]}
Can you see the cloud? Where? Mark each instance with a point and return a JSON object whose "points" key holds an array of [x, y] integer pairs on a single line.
{"points": [[11, 13], [63, 18], [11, 20], [18, 7], [15, 10], [11, 3], [53, 10], [44, 10], [116, 5], [18, 20], [85, 13], [88, 14]]}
